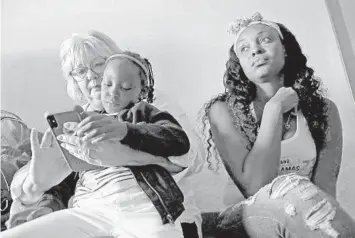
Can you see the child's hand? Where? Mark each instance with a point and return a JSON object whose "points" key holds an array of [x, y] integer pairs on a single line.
{"points": [[96, 128]]}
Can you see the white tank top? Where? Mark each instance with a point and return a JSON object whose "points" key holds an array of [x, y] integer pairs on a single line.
{"points": [[298, 155]]}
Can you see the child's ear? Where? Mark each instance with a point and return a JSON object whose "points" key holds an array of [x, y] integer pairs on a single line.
{"points": [[144, 92]]}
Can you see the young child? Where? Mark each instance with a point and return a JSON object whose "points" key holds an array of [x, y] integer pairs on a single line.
{"points": [[132, 201], [126, 92]]}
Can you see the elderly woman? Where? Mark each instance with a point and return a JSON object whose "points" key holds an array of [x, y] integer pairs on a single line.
{"points": [[279, 138], [83, 60]]}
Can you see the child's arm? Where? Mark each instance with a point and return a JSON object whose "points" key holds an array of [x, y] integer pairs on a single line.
{"points": [[155, 132]]}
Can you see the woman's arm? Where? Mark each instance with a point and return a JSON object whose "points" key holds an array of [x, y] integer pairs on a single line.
{"points": [[326, 170], [31, 201], [250, 170], [111, 153]]}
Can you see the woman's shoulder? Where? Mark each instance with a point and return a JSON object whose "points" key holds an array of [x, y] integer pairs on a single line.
{"points": [[216, 110], [220, 117], [334, 122], [329, 102], [332, 110]]}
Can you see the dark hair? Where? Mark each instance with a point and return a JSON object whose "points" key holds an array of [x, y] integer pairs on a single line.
{"points": [[240, 92]]}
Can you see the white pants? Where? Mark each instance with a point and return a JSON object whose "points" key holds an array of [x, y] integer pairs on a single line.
{"points": [[98, 221]]}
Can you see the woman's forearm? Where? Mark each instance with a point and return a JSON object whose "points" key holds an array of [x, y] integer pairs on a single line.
{"points": [[23, 188], [31, 192], [113, 153], [262, 162]]}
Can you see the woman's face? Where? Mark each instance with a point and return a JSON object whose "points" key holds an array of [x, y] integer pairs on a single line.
{"points": [[260, 52], [121, 85], [87, 73]]}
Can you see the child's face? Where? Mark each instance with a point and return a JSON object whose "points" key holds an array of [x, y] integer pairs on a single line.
{"points": [[121, 85]]}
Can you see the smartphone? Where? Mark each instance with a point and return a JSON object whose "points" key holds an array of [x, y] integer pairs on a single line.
{"points": [[56, 122]]}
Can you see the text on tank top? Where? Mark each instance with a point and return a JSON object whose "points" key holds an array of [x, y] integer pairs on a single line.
{"points": [[298, 153]]}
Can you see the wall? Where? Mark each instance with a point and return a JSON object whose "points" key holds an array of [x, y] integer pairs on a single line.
{"points": [[348, 8], [186, 41]]}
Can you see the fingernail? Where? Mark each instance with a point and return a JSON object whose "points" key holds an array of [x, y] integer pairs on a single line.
{"points": [[60, 137], [67, 125]]}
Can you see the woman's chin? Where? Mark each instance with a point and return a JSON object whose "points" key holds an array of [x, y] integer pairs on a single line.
{"points": [[96, 103], [96, 95]]}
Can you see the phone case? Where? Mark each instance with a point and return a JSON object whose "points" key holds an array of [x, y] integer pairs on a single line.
{"points": [[56, 122]]}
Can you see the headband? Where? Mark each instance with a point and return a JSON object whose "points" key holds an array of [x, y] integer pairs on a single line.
{"points": [[117, 56], [237, 27]]}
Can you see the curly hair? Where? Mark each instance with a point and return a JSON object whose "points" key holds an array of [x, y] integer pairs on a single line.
{"points": [[240, 93], [145, 79]]}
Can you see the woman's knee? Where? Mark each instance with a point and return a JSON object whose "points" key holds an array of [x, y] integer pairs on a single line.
{"points": [[311, 208]]}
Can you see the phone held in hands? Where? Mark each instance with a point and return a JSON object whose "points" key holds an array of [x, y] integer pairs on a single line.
{"points": [[56, 122]]}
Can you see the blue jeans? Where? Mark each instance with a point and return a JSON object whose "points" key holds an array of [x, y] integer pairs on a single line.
{"points": [[291, 206]]}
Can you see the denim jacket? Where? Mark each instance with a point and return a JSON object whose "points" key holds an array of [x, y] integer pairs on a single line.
{"points": [[160, 187], [157, 133]]}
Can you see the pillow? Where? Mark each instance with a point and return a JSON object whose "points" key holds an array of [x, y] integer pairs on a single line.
{"points": [[15, 153], [195, 157]]}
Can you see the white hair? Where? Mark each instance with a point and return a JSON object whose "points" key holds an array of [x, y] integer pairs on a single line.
{"points": [[77, 49]]}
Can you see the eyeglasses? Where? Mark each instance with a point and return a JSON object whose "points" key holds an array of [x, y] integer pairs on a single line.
{"points": [[80, 73]]}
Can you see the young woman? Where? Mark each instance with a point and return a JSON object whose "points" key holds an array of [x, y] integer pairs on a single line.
{"points": [[279, 138]]}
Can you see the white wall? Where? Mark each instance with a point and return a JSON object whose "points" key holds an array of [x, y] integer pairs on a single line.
{"points": [[186, 42], [348, 8]]}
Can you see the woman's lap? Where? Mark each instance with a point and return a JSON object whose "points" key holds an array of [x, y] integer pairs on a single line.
{"points": [[64, 223], [290, 207], [76, 222]]}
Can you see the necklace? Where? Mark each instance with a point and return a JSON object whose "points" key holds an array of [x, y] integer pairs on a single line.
{"points": [[287, 124]]}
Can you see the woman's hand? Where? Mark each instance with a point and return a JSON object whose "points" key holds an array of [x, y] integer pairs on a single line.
{"points": [[47, 167], [98, 153], [112, 153], [104, 153], [98, 127], [287, 98]]}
